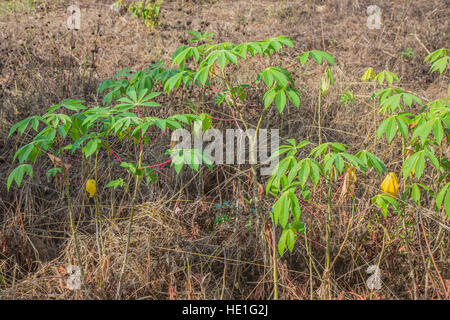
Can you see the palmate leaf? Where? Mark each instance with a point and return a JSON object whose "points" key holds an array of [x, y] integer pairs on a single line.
{"points": [[115, 183], [53, 172], [439, 60], [268, 97], [281, 210], [18, 173], [394, 124], [271, 45], [416, 163], [280, 100], [91, 147], [200, 36], [144, 98], [424, 128], [20, 126], [280, 75], [173, 81], [415, 193], [318, 57], [26, 152], [288, 237], [294, 96], [386, 75], [192, 157], [368, 75], [370, 160], [74, 105], [383, 201]]}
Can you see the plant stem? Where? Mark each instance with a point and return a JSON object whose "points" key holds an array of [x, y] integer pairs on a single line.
{"points": [[98, 223], [318, 115], [252, 146], [326, 273], [275, 271], [189, 289], [375, 115], [72, 222], [308, 251], [224, 274]]}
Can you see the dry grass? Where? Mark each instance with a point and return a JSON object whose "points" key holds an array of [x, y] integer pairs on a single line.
{"points": [[178, 251]]}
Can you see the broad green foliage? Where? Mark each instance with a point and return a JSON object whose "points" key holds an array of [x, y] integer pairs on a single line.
{"points": [[443, 198], [200, 36], [281, 86], [383, 201], [115, 183], [422, 135], [72, 126], [212, 60], [371, 161], [206, 65]]}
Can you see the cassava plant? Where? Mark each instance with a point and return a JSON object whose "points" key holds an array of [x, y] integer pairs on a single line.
{"points": [[72, 127], [294, 178], [207, 66], [149, 11]]}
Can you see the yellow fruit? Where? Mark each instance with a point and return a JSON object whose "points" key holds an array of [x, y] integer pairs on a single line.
{"points": [[390, 184], [91, 187]]}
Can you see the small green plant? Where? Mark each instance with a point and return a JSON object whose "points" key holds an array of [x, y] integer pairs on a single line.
{"points": [[149, 11], [293, 178], [408, 54], [347, 98], [418, 148]]}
